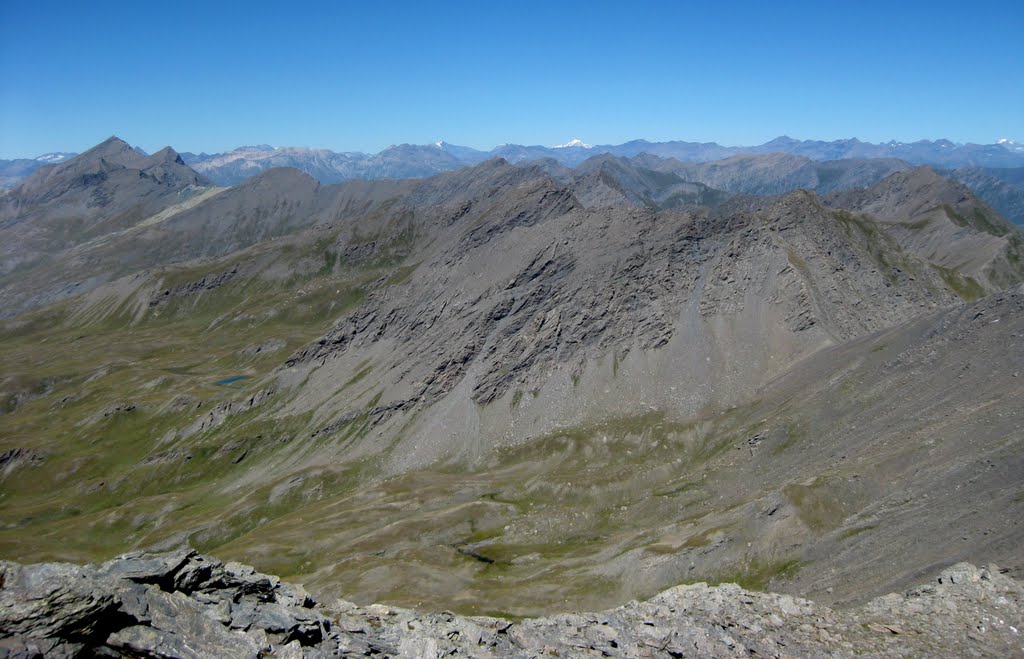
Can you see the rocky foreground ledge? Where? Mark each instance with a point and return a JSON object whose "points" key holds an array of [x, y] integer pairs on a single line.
{"points": [[182, 604]]}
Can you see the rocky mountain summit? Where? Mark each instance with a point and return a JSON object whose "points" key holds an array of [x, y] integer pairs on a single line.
{"points": [[182, 604]]}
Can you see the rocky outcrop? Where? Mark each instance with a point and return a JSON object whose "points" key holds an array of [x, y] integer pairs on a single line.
{"points": [[182, 604], [18, 457], [207, 283], [226, 410], [178, 604]]}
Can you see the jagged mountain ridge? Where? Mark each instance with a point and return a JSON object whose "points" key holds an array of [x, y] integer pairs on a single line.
{"points": [[196, 222], [85, 200], [981, 167], [755, 170], [479, 369], [599, 181]]}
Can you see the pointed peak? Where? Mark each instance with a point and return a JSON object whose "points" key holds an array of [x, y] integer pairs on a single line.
{"points": [[167, 154], [915, 175], [601, 161], [112, 150], [491, 164], [800, 197], [781, 140], [112, 144]]}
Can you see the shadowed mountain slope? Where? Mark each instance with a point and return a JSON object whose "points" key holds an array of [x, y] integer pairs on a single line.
{"points": [[777, 173], [606, 180], [944, 222], [1003, 189]]}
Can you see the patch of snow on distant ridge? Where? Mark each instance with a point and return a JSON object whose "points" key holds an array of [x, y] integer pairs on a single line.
{"points": [[574, 142]]}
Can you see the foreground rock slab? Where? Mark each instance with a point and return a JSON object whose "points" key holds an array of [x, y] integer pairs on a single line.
{"points": [[182, 604]]}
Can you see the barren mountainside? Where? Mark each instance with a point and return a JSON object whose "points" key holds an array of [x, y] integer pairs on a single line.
{"points": [[516, 389]]}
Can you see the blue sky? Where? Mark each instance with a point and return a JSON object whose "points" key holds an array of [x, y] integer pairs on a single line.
{"points": [[360, 76]]}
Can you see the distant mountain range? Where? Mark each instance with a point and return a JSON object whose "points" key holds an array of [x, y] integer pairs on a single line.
{"points": [[416, 161], [995, 172], [13, 172]]}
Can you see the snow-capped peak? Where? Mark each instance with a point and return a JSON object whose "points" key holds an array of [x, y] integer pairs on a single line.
{"points": [[573, 142], [439, 144], [1005, 140]]}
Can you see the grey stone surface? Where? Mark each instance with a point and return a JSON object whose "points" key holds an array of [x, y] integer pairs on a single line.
{"points": [[58, 610]]}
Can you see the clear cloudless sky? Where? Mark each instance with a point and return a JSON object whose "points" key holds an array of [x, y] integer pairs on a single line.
{"points": [[358, 76]]}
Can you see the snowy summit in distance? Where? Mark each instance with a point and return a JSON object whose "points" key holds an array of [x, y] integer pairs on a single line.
{"points": [[54, 157], [1006, 142], [575, 142]]}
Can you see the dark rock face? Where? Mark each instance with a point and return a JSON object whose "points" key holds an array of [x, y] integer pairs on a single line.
{"points": [[181, 604], [207, 283], [178, 604], [14, 458], [1003, 189]]}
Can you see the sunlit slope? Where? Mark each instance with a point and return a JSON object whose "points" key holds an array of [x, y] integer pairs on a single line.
{"points": [[477, 385]]}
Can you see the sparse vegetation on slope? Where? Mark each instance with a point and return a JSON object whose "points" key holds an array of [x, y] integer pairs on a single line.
{"points": [[478, 392]]}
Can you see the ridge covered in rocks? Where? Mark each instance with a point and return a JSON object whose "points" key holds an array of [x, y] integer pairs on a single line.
{"points": [[183, 604]]}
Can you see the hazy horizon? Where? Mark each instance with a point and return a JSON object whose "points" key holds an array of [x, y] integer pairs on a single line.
{"points": [[359, 78], [486, 149]]}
